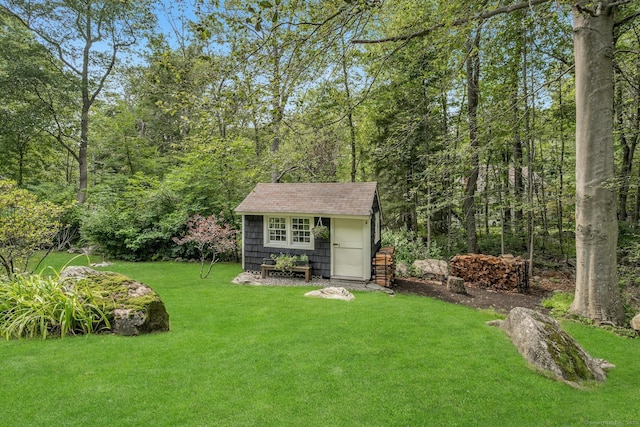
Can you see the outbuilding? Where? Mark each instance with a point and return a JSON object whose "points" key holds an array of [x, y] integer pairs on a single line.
{"points": [[337, 225]]}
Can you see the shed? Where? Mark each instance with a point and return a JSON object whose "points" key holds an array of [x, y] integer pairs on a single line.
{"points": [[280, 218]]}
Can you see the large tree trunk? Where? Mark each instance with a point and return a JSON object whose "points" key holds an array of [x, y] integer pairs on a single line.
{"points": [[597, 294]]}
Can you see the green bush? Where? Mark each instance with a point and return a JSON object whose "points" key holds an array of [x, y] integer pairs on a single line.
{"points": [[133, 220], [629, 269], [558, 303], [409, 247], [39, 306], [26, 226]]}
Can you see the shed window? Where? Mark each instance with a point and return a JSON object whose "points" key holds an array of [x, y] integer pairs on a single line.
{"points": [[277, 229], [300, 230], [288, 232]]}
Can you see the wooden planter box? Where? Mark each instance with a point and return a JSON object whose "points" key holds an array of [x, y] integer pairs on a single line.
{"points": [[265, 269]]}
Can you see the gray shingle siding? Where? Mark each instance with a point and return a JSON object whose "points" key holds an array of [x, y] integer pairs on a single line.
{"points": [[254, 250]]}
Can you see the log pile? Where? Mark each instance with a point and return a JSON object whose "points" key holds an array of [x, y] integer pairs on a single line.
{"points": [[501, 273], [384, 266]]}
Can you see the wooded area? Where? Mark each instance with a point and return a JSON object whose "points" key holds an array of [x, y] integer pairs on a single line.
{"points": [[146, 113]]}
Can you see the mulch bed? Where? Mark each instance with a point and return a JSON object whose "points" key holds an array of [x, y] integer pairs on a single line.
{"points": [[542, 286]]}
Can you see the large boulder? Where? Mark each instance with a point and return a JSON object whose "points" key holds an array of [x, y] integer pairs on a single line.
{"points": [[131, 307], [542, 342], [431, 269]]}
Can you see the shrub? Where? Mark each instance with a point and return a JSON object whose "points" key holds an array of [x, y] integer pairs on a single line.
{"points": [[39, 306], [409, 247], [134, 220], [558, 303], [26, 225]]}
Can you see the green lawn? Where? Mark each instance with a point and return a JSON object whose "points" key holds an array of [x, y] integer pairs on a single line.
{"points": [[242, 355]]}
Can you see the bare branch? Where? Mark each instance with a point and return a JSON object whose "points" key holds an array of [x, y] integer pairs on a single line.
{"points": [[477, 17], [627, 19]]}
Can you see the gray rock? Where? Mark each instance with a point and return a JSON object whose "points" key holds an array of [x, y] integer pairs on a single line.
{"points": [[101, 264], [542, 342], [78, 272], [402, 269], [332, 293], [245, 278], [375, 287], [431, 268], [635, 322], [456, 285], [131, 307]]}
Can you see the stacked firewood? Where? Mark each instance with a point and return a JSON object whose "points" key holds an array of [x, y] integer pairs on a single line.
{"points": [[505, 272], [384, 266]]}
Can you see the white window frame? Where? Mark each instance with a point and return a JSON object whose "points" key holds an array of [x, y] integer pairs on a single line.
{"points": [[288, 243]]}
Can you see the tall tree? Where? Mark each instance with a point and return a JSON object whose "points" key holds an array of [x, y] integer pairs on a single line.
{"points": [[471, 180], [268, 36], [597, 292], [86, 36], [29, 85]]}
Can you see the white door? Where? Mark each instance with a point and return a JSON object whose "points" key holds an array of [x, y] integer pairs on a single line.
{"points": [[347, 248]]}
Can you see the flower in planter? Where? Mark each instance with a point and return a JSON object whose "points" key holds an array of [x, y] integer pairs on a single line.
{"points": [[285, 262], [320, 232]]}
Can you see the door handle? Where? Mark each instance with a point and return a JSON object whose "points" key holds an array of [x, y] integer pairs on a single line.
{"points": [[336, 245]]}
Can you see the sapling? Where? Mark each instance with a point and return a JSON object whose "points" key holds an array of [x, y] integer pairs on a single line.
{"points": [[209, 235]]}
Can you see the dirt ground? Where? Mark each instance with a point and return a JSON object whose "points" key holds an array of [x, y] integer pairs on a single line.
{"points": [[543, 284]]}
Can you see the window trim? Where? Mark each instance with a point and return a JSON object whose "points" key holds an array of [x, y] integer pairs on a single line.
{"points": [[288, 243]]}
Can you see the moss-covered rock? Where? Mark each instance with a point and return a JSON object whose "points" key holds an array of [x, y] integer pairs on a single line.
{"points": [[545, 345], [131, 307]]}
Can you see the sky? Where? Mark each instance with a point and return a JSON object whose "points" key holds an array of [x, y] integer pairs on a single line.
{"points": [[173, 18]]}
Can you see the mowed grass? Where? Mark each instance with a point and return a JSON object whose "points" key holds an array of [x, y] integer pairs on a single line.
{"points": [[268, 356]]}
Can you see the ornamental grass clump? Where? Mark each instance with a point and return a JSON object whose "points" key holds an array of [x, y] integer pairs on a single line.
{"points": [[39, 306]]}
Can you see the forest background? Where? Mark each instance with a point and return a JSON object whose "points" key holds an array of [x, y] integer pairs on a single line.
{"points": [[145, 113]]}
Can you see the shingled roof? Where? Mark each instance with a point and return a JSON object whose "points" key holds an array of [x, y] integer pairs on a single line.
{"points": [[349, 198]]}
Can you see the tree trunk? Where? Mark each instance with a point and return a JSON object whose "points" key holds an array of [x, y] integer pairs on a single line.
{"points": [[528, 126], [473, 71], [277, 112], [82, 155], [352, 128], [597, 294], [427, 160], [560, 194], [22, 148], [627, 158], [518, 181]]}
